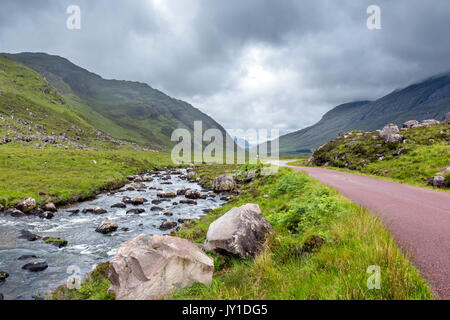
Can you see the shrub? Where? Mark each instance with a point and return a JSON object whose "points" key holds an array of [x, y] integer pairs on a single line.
{"points": [[292, 182]]}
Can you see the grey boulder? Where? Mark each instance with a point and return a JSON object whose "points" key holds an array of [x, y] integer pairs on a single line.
{"points": [[390, 133], [239, 232], [106, 227], [224, 182]]}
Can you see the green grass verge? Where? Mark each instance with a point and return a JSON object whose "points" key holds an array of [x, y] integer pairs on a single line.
{"points": [[66, 176]]}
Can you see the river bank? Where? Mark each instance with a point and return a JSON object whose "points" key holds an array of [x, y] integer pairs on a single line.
{"points": [[162, 210]]}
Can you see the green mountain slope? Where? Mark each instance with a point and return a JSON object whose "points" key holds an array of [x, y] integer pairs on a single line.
{"points": [[125, 110], [429, 99], [32, 112], [423, 153]]}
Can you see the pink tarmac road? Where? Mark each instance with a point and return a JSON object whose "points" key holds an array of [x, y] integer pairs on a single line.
{"points": [[417, 218]]}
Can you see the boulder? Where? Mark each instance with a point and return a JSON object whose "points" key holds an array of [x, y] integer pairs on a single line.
{"points": [[126, 200], [35, 266], [50, 207], [155, 208], [191, 175], [138, 201], [438, 182], [106, 227], [410, 124], [239, 232], [192, 194], [151, 267], [181, 191], [46, 215], [25, 234], [26, 205], [57, 242], [167, 225], [98, 210], [431, 122], [16, 213], [224, 182], [119, 205], [447, 118], [188, 201], [251, 175], [398, 152], [27, 257], [162, 194], [390, 133], [136, 211]]}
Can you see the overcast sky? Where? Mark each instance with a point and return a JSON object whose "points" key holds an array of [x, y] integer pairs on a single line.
{"points": [[247, 63]]}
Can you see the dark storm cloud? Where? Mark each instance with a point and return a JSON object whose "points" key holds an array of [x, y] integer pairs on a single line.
{"points": [[248, 63]]}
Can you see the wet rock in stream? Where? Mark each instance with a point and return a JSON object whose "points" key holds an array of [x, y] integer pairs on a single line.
{"points": [[35, 266]]}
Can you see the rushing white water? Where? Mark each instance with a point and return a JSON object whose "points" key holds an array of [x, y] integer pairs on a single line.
{"points": [[86, 248]]}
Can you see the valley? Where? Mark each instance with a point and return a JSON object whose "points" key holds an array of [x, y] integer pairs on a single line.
{"points": [[79, 153]]}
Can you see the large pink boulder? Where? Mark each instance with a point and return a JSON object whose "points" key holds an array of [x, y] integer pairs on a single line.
{"points": [[151, 267]]}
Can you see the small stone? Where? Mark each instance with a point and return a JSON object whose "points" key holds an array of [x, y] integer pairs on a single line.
{"points": [[35, 266], [119, 205], [99, 210], [46, 215], [167, 225], [26, 205], [188, 201], [106, 227], [439, 182], [138, 201], [192, 194], [25, 234], [57, 242], [136, 211], [50, 207], [27, 257]]}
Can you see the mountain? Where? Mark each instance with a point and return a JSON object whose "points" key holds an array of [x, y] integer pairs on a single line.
{"points": [[126, 110], [36, 114], [429, 99]]}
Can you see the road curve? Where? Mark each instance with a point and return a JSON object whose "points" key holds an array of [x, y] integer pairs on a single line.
{"points": [[417, 218]]}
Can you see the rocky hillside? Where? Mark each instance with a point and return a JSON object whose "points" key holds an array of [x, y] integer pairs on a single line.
{"points": [[34, 113], [124, 110], [429, 99], [419, 152]]}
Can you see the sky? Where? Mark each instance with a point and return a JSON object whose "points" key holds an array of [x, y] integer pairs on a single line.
{"points": [[259, 64]]}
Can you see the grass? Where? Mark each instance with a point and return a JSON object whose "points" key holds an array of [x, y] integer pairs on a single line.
{"points": [[94, 287], [66, 176], [425, 154], [322, 248]]}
